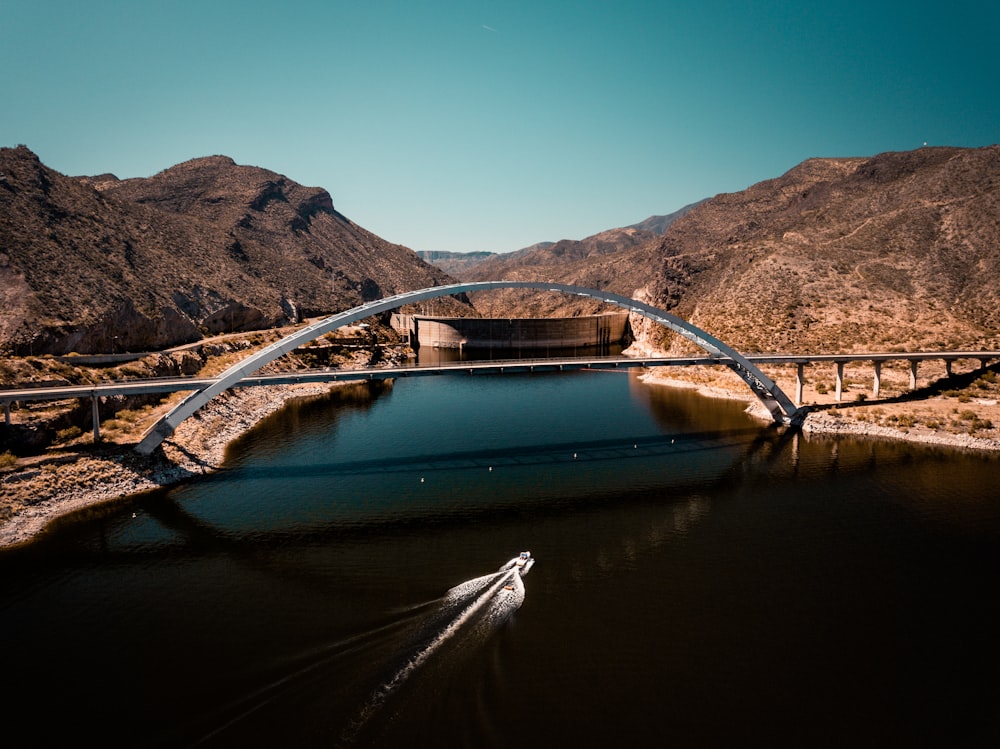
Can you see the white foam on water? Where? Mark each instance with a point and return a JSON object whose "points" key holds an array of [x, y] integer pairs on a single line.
{"points": [[488, 601]]}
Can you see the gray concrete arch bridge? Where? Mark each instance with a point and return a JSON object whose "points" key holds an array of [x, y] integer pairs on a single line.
{"points": [[778, 404]]}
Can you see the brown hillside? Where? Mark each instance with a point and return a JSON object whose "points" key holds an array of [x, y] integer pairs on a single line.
{"points": [[609, 260], [207, 246], [602, 261], [900, 251]]}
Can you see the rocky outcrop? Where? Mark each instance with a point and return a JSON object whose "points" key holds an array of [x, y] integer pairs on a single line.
{"points": [[95, 264]]}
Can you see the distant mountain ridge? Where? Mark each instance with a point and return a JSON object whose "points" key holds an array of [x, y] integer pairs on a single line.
{"points": [[469, 265], [88, 264]]}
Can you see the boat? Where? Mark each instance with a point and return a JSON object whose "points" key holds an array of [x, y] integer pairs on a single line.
{"points": [[522, 563], [523, 559]]}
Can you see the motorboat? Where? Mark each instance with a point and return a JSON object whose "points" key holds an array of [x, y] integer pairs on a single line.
{"points": [[523, 559], [522, 563]]}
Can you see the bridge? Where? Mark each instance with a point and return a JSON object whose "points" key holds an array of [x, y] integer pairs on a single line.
{"points": [[780, 407], [778, 404]]}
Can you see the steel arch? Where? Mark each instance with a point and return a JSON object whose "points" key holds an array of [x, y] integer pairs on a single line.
{"points": [[780, 407]]}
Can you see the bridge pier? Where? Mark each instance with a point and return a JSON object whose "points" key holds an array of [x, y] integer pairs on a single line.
{"points": [[799, 380], [877, 382], [840, 382], [913, 374], [96, 412]]}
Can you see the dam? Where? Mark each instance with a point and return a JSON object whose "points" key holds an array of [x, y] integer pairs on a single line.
{"points": [[514, 333]]}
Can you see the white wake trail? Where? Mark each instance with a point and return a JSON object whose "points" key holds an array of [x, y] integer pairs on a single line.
{"points": [[494, 598]]}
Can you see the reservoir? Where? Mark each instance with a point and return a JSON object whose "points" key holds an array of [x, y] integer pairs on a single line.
{"points": [[700, 578]]}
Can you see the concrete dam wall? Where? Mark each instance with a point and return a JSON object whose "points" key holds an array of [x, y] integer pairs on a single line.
{"points": [[513, 332]]}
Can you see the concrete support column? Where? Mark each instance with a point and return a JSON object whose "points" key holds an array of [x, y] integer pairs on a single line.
{"points": [[840, 381], [799, 370], [96, 402], [877, 382], [913, 374], [6, 413], [947, 366]]}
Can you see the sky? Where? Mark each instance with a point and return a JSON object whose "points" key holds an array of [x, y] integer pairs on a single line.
{"points": [[477, 125]]}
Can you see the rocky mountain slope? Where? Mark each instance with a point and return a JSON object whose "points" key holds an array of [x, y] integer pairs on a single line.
{"points": [[496, 266], [601, 261], [96, 264], [897, 251]]}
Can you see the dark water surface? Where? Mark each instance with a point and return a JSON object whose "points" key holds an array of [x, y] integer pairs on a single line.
{"points": [[701, 580]]}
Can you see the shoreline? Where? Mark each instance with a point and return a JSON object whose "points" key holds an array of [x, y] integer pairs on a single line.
{"points": [[819, 420], [117, 474], [65, 485]]}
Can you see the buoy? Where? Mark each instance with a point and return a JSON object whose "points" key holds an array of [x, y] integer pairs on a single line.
{"points": [[421, 479]]}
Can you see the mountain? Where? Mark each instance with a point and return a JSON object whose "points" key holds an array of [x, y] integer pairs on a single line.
{"points": [[88, 264], [601, 261], [896, 251], [466, 265], [660, 224], [453, 263]]}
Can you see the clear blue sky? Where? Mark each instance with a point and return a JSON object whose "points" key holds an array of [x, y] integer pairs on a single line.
{"points": [[475, 125]]}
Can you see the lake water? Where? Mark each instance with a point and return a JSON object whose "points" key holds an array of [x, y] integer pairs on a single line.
{"points": [[701, 579]]}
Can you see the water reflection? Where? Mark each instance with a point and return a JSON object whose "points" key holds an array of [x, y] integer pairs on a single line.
{"points": [[728, 578]]}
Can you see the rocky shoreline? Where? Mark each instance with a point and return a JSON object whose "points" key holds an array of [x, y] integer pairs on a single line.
{"points": [[74, 483], [820, 421]]}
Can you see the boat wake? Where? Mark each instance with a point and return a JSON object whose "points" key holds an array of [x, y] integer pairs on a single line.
{"points": [[468, 614]]}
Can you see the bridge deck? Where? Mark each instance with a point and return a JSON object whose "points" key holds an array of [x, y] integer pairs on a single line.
{"points": [[507, 366]]}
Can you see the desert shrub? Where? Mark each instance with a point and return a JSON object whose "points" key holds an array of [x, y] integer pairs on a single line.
{"points": [[967, 416], [821, 388], [8, 460], [67, 434], [964, 398]]}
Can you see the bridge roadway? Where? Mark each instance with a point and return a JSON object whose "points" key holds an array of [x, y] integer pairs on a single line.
{"points": [[496, 366]]}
